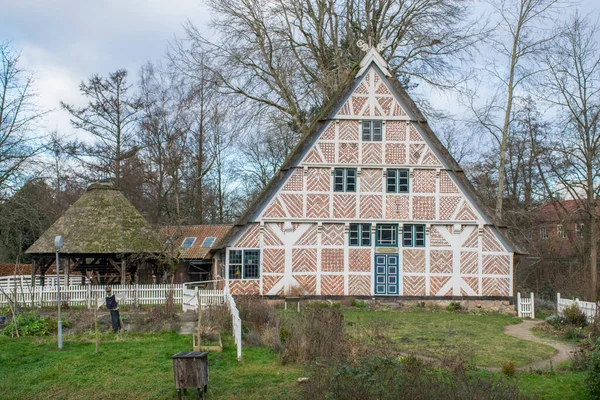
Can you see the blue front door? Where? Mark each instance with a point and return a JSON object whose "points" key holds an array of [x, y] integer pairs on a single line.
{"points": [[386, 274]]}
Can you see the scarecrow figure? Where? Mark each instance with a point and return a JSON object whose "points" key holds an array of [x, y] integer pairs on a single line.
{"points": [[113, 306]]}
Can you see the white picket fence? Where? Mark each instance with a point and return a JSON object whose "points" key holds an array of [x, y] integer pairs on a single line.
{"points": [[11, 281], [208, 297], [86, 295], [525, 306], [588, 308], [237, 323]]}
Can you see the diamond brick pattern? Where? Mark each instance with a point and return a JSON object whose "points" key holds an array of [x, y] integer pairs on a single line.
{"points": [[424, 207], [495, 287], [329, 133], [359, 260], [332, 235], [270, 237], [396, 206], [361, 89], [328, 151], [332, 260], [490, 243], [395, 153], [273, 260], [416, 151], [436, 239], [371, 180], [413, 135], [446, 183], [448, 206], [295, 181], [308, 283], [317, 206], [436, 283], [344, 206], [469, 262], [357, 105], [332, 285], [269, 281], [413, 260], [359, 285], [370, 206], [495, 265], [239, 287], [318, 180], [348, 153], [308, 238], [395, 131], [251, 238], [293, 204], [465, 213], [413, 286], [275, 210], [424, 181], [304, 260], [349, 130], [382, 89], [472, 241], [371, 153], [440, 261]]}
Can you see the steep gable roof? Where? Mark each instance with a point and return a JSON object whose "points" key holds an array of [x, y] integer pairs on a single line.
{"points": [[371, 60]]}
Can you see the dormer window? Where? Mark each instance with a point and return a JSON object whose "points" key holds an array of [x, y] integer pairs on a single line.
{"points": [[372, 131], [208, 242], [188, 242]]}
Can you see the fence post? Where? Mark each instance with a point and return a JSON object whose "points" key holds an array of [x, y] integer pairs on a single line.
{"points": [[532, 307], [137, 295], [519, 313], [557, 303], [88, 295], [40, 295]]}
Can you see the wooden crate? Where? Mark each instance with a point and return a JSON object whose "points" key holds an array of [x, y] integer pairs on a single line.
{"points": [[190, 370]]}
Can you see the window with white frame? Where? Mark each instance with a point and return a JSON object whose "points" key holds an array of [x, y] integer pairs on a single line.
{"points": [[244, 264], [372, 131], [209, 241], [544, 232], [344, 180], [579, 230], [386, 235], [188, 242], [397, 180], [360, 234], [560, 231], [413, 236]]}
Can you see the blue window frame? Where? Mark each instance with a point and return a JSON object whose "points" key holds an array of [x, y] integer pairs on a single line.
{"points": [[244, 264], [344, 180], [360, 234], [386, 235], [397, 181], [413, 236]]}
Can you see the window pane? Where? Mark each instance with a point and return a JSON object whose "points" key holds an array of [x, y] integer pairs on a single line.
{"points": [[366, 130], [391, 180], [251, 264], [353, 235], [188, 242], [377, 131], [235, 256], [403, 181], [350, 180], [366, 235], [407, 236], [235, 271], [338, 180], [386, 235], [420, 235]]}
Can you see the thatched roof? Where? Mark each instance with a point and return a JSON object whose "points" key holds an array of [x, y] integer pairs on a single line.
{"points": [[102, 221]]}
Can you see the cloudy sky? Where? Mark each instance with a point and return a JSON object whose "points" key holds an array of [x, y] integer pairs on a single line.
{"points": [[66, 41]]}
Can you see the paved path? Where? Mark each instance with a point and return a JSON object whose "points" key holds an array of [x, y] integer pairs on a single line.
{"points": [[523, 331]]}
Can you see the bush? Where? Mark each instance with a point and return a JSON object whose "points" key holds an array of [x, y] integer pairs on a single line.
{"points": [[359, 303], [31, 324], [592, 379], [509, 368], [554, 321], [454, 306], [574, 316]]}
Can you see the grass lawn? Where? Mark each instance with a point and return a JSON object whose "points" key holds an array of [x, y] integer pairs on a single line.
{"points": [[558, 386], [434, 333], [133, 366]]}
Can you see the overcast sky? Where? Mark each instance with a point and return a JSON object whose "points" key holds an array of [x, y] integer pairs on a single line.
{"points": [[66, 41]]}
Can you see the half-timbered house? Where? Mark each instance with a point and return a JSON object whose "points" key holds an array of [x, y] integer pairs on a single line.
{"points": [[369, 203]]}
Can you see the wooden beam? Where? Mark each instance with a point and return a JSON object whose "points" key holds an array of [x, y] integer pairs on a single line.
{"points": [[123, 272]]}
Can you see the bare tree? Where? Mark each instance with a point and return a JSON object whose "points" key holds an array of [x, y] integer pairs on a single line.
{"points": [[18, 117]]}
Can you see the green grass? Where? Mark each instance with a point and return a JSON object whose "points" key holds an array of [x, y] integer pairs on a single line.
{"points": [[559, 386], [434, 333], [133, 367]]}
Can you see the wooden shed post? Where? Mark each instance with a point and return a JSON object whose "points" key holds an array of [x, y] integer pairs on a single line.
{"points": [[123, 272]]}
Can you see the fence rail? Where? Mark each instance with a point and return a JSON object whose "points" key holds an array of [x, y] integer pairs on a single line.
{"points": [[86, 295], [588, 308], [237, 323], [525, 306]]}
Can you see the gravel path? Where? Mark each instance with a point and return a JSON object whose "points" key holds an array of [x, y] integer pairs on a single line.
{"points": [[523, 331]]}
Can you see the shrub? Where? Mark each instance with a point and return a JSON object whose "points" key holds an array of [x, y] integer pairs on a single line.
{"points": [[359, 303], [554, 321], [31, 324], [509, 368], [454, 306], [574, 316], [592, 379]]}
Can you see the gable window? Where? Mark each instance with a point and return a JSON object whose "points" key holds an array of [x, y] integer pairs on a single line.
{"points": [[397, 181], [371, 131], [544, 232], [244, 264], [344, 180], [188, 242], [387, 235], [413, 236], [560, 231], [209, 241], [360, 234], [579, 230]]}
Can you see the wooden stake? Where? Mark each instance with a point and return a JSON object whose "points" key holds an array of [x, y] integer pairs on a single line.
{"points": [[96, 322]]}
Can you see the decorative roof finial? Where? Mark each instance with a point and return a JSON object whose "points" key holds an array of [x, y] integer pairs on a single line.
{"points": [[364, 46]]}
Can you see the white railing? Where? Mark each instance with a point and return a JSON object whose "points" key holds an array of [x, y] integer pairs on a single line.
{"points": [[11, 281], [210, 297], [237, 323], [86, 295], [525, 306], [588, 308]]}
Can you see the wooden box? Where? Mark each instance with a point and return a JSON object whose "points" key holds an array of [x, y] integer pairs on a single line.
{"points": [[191, 372]]}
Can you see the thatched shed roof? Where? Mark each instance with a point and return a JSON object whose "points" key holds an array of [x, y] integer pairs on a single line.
{"points": [[102, 221]]}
